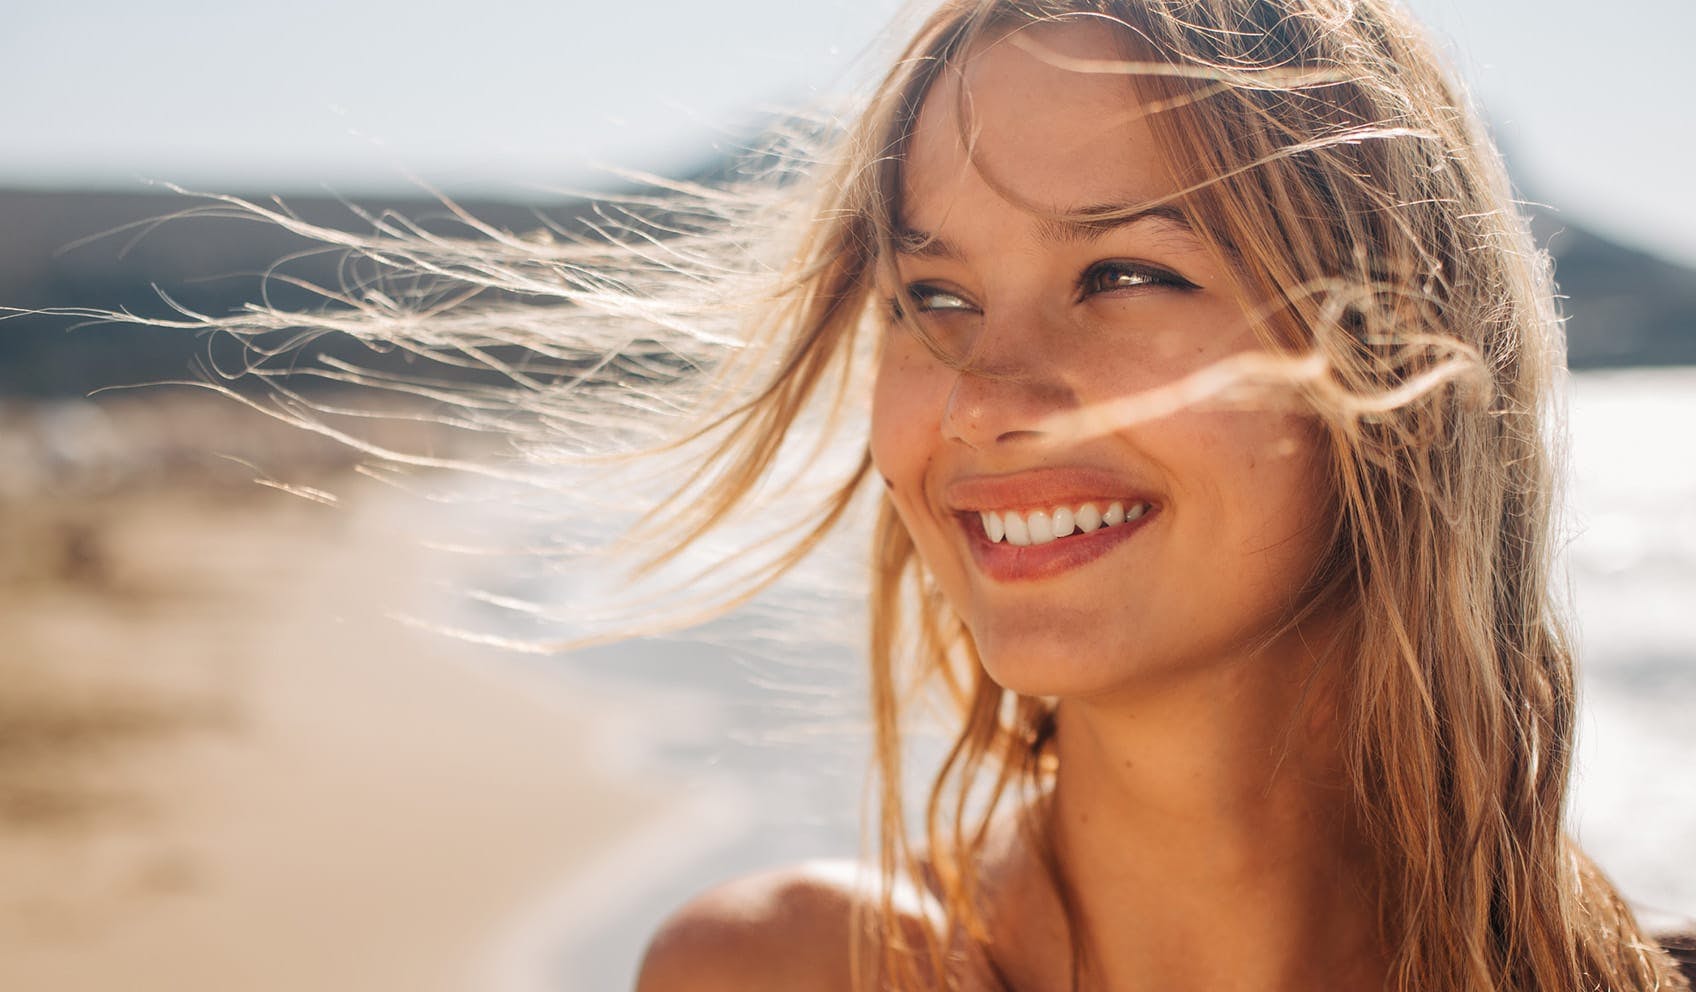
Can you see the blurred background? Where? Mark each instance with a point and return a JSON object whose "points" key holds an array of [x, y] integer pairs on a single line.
{"points": [[226, 764]]}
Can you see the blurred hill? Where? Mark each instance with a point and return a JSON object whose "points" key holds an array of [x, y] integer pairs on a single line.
{"points": [[129, 252], [1624, 306], [99, 250]]}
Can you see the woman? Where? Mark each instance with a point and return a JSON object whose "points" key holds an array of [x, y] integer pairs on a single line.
{"points": [[1210, 372], [1211, 409]]}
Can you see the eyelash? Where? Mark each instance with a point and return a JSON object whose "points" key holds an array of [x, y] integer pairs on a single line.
{"points": [[1147, 275], [1151, 275]]}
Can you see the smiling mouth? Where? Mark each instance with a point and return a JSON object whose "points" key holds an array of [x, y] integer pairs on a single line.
{"points": [[1026, 545], [1028, 528]]}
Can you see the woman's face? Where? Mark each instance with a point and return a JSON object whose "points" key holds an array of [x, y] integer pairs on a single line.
{"points": [[1191, 532]]}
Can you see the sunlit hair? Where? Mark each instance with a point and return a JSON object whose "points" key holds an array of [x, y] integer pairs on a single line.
{"points": [[1320, 148]]}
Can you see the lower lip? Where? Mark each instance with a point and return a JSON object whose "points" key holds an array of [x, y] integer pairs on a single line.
{"points": [[1003, 562]]}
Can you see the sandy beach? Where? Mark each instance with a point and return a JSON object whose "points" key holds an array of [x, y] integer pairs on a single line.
{"points": [[223, 766]]}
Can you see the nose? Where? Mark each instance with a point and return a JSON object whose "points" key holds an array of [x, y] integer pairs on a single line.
{"points": [[1013, 378]]}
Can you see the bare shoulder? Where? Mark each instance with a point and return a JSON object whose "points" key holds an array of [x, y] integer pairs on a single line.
{"points": [[785, 929]]}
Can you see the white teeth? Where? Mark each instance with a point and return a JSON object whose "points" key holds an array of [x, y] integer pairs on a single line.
{"points": [[1044, 526], [1063, 521]]}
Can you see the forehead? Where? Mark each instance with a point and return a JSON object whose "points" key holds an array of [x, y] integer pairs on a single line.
{"points": [[1050, 124]]}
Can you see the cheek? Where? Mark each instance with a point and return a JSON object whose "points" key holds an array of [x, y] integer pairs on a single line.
{"points": [[1288, 498], [1292, 457], [906, 423]]}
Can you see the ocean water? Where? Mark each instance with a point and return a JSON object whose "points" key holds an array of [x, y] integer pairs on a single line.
{"points": [[755, 725], [1632, 565]]}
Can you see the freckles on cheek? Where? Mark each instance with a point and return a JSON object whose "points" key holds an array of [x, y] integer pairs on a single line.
{"points": [[905, 422]]}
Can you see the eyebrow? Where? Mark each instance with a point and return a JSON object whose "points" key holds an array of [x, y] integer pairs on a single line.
{"points": [[1099, 220]]}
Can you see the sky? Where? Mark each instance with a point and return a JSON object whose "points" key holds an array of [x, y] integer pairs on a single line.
{"points": [[1588, 99]]}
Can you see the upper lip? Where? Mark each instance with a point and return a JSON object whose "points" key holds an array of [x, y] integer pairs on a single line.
{"points": [[1039, 488]]}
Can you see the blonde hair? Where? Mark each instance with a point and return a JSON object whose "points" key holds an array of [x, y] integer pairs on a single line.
{"points": [[1320, 145]]}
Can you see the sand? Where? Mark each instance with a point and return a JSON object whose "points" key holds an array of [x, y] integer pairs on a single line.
{"points": [[224, 767]]}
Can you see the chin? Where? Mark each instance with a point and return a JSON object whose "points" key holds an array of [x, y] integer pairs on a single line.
{"points": [[1035, 663], [1042, 667]]}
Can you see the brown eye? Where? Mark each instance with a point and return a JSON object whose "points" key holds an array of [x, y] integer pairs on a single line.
{"points": [[1105, 277]]}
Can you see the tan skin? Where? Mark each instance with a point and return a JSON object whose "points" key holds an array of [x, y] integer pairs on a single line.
{"points": [[1194, 811]]}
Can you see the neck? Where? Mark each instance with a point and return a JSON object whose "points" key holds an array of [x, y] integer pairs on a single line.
{"points": [[1199, 832]]}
